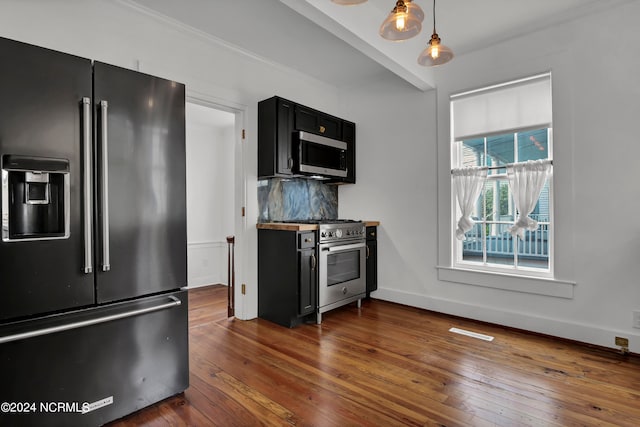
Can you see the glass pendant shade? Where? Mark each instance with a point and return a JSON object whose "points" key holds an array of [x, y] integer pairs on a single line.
{"points": [[404, 21], [348, 2], [415, 10], [435, 53]]}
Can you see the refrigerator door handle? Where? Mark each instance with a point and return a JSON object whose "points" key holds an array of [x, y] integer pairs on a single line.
{"points": [[104, 107], [81, 324], [88, 198]]}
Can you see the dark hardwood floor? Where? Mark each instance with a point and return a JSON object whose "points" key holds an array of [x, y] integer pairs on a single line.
{"points": [[388, 365]]}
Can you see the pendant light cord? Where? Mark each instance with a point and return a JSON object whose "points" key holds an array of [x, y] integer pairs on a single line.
{"points": [[434, 16]]}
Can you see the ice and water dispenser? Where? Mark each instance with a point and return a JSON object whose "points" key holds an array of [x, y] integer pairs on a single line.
{"points": [[35, 198]]}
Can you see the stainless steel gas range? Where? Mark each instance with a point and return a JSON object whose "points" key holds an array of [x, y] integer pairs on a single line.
{"points": [[342, 264]]}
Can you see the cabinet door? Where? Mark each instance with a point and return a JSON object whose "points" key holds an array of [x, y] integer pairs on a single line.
{"points": [[284, 159], [349, 136], [372, 259], [372, 265], [319, 123], [308, 264], [275, 130]]}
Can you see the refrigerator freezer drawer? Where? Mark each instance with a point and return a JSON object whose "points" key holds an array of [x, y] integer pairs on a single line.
{"points": [[93, 366]]}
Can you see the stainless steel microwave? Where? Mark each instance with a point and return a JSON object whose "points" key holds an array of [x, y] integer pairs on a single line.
{"points": [[320, 156]]}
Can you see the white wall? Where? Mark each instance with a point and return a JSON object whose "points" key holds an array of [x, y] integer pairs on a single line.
{"points": [[113, 32], [210, 197], [596, 87], [395, 179]]}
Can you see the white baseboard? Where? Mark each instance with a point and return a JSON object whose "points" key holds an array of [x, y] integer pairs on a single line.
{"points": [[555, 327]]}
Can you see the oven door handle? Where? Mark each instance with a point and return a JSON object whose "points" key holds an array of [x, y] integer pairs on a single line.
{"points": [[342, 248]]}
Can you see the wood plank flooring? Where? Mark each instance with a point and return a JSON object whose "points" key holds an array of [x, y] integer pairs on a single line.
{"points": [[390, 365]]}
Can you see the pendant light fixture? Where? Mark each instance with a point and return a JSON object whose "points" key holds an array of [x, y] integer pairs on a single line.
{"points": [[403, 22], [435, 53], [348, 2]]}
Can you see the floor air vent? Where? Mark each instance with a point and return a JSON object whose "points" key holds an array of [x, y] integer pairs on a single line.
{"points": [[471, 334]]}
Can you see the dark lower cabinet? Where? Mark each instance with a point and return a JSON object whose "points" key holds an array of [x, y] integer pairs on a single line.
{"points": [[372, 259], [287, 276]]}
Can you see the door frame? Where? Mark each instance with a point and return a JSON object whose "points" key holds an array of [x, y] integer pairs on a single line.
{"points": [[240, 191]]}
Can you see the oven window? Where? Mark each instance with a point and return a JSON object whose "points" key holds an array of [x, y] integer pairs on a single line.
{"points": [[321, 156], [343, 267]]}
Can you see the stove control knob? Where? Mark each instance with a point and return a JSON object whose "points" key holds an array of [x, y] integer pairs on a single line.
{"points": [[338, 233], [323, 234], [330, 234]]}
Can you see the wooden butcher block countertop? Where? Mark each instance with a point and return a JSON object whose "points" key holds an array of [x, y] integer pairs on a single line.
{"points": [[286, 226]]}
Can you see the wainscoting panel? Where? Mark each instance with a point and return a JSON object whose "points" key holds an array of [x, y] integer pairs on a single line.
{"points": [[206, 263]]}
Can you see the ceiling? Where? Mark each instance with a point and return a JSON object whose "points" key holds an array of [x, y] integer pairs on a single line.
{"points": [[340, 45]]}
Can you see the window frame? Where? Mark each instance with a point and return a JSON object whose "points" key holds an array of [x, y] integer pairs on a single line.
{"points": [[457, 260]]}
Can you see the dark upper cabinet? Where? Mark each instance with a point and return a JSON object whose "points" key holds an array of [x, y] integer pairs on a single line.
{"points": [[278, 121], [313, 121], [275, 129]]}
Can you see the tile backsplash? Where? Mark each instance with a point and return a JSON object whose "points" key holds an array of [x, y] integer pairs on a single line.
{"points": [[291, 199]]}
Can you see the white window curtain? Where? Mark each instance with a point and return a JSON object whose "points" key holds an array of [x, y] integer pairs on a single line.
{"points": [[526, 181], [468, 183]]}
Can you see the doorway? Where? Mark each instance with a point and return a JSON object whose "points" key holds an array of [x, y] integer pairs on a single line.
{"points": [[215, 189]]}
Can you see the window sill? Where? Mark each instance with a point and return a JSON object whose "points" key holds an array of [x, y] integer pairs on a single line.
{"points": [[509, 282]]}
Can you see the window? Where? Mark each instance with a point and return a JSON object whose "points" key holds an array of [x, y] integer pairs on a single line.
{"points": [[492, 128]]}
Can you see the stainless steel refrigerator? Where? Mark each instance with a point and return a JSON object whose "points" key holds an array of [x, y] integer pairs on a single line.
{"points": [[93, 324]]}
